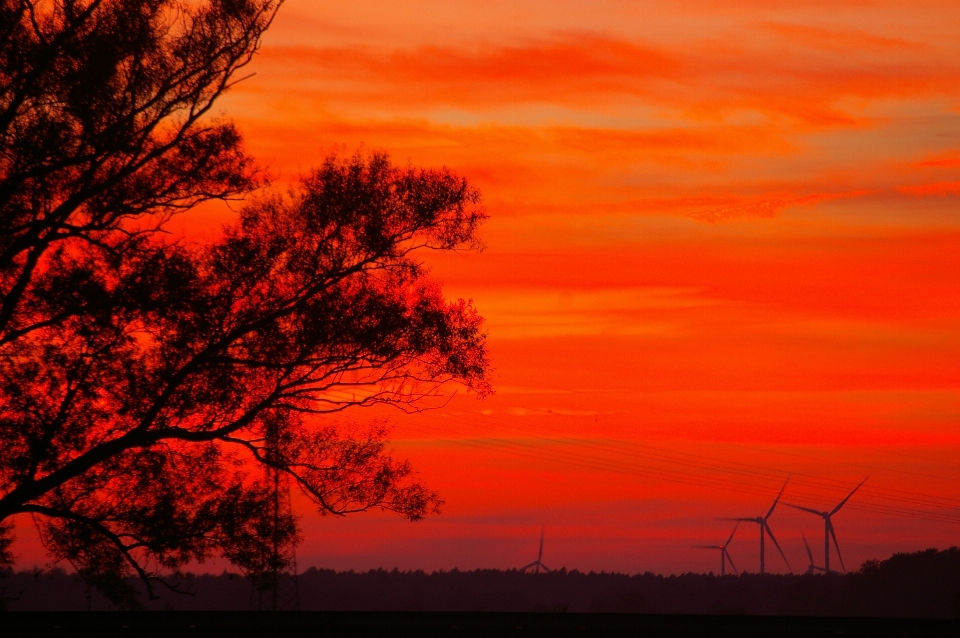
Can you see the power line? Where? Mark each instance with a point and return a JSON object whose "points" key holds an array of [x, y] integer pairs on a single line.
{"points": [[517, 425], [735, 469], [704, 462]]}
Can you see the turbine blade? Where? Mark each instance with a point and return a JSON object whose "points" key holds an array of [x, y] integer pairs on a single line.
{"points": [[732, 533], [735, 570], [545, 568], [526, 567], [837, 508], [833, 535], [749, 520], [778, 498], [807, 545], [540, 555], [774, 539], [805, 509]]}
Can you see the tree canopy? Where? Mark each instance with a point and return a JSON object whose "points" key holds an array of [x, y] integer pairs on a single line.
{"points": [[142, 378]]}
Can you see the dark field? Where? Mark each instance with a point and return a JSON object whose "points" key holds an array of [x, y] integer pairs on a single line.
{"points": [[293, 624]]}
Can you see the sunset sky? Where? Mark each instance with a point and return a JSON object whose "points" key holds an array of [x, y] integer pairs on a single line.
{"points": [[723, 247]]}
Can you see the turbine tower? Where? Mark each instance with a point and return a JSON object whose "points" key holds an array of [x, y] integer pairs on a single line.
{"points": [[765, 529], [724, 554], [828, 531], [813, 566], [537, 564]]}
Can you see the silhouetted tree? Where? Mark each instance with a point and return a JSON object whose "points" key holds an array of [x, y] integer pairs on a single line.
{"points": [[140, 376]]}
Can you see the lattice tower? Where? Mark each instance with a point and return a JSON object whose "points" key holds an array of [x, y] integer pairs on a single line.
{"points": [[278, 590]]}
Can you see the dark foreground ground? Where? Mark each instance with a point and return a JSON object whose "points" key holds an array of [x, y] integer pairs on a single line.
{"points": [[428, 624]]}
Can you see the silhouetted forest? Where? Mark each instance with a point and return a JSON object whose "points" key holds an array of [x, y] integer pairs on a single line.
{"points": [[919, 585]]}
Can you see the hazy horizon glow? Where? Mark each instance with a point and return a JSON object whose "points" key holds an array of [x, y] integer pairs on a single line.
{"points": [[723, 247]]}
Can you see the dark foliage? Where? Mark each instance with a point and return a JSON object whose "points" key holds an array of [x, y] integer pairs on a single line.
{"points": [[141, 379], [923, 583]]}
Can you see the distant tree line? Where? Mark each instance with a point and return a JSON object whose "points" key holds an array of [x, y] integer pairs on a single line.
{"points": [[918, 585]]}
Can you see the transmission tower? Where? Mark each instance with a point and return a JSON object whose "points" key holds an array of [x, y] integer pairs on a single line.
{"points": [[277, 589]]}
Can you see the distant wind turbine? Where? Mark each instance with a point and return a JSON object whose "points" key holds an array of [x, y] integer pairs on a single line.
{"points": [[537, 564], [765, 529], [724, 554], [813, 566], [828, 531]]}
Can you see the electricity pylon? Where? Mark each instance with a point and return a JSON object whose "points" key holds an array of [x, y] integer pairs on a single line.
{"points": [[277, 588]]}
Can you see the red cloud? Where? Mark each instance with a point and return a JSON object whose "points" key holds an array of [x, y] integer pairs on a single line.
{"points": [[702, 79]]}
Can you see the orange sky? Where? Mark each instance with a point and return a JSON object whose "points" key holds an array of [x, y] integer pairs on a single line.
{"points": [[723, 247]]}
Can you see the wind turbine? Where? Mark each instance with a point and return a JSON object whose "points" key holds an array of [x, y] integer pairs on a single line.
{"points": [[828, 527], [765, 529], [724, 554], [537, 564], [813, 566]]}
